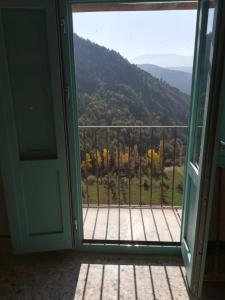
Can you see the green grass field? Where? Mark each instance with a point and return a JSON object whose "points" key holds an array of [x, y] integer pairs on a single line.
{"points": [[135, 190]]}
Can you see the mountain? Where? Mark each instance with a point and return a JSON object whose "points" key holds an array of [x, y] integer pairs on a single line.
{"points": [[183, 69], [164, 60], [178, 79], [112, 91]]}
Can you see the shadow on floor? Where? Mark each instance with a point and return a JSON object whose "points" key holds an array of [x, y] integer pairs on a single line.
{"points": [[69, 275]]}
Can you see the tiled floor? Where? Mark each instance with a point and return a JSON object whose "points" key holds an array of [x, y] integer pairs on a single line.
{"points": [[67, 275], [137, 224], [131, 280]]}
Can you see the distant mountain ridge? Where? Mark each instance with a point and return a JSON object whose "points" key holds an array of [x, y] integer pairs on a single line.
{"points": [[112, 91], [166, 60], [182, 69], [178, 79]]}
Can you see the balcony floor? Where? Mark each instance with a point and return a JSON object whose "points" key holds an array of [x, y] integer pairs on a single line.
{"points": [[132, 224]]}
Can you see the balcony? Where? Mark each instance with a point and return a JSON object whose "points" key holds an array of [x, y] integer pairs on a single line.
{"points": [[132, 183]]}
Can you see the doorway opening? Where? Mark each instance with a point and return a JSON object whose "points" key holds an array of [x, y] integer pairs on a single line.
{"points": [[133, 66]]}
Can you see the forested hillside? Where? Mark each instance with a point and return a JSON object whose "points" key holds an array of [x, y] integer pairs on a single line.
{"points": [[112, 91], [178, 79]]}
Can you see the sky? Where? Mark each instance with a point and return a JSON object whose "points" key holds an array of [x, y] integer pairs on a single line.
{"points": [[138, 33]]}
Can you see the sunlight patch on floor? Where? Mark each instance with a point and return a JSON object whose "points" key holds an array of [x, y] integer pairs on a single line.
{"points": [[119, 281]]}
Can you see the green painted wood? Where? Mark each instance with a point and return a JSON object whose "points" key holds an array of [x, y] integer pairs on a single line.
{"points": [[221, 135], [119, 1], [65, 12], [33, 158], [131, 249], [36, 140], [222, 125], [194, 229]]}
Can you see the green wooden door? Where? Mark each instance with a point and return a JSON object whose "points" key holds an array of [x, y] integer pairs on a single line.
{"points": [[221, 135], [33, 151], [196, 201]]}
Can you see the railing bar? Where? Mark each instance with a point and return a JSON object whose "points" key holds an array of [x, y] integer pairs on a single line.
{"points": [[85, 159], [151, 181], [174, 164], [129, 168], [150, 126], [107, 161], [162, 168], [96, 158], [118, 164], [140, 168], [118, 176]]}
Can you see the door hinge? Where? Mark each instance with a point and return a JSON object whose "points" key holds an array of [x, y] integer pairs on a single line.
{"points": [[76, 224], [63, 26]]}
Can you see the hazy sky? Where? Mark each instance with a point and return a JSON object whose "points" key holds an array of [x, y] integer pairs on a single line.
{"points": [[137, 33]]}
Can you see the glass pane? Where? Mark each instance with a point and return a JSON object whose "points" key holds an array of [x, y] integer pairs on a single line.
{"points": [[204, 84]]}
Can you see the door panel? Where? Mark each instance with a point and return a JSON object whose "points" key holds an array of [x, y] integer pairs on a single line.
{"points": [[221, 137], [31, 60], [201, 100], [45, 192], [35, 164]]}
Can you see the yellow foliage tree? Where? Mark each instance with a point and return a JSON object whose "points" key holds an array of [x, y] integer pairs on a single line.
{"points": [[122, 158], [97, 157], [106, 157], [155, 157], [125, 157], [87, 162]]}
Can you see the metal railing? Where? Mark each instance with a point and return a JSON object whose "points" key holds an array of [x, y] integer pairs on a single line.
{"points": [[132, 165]]}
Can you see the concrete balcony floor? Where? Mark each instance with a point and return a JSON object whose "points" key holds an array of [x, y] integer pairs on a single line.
{"points": [[132, 224]]}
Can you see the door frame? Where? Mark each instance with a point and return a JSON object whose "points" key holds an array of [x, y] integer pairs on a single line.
{"points": [[211, 151], [73, 130], [207, 169]]}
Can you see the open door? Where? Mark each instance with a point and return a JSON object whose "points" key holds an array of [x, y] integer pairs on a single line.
{"points": [[33, 148], [199, 160]]}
